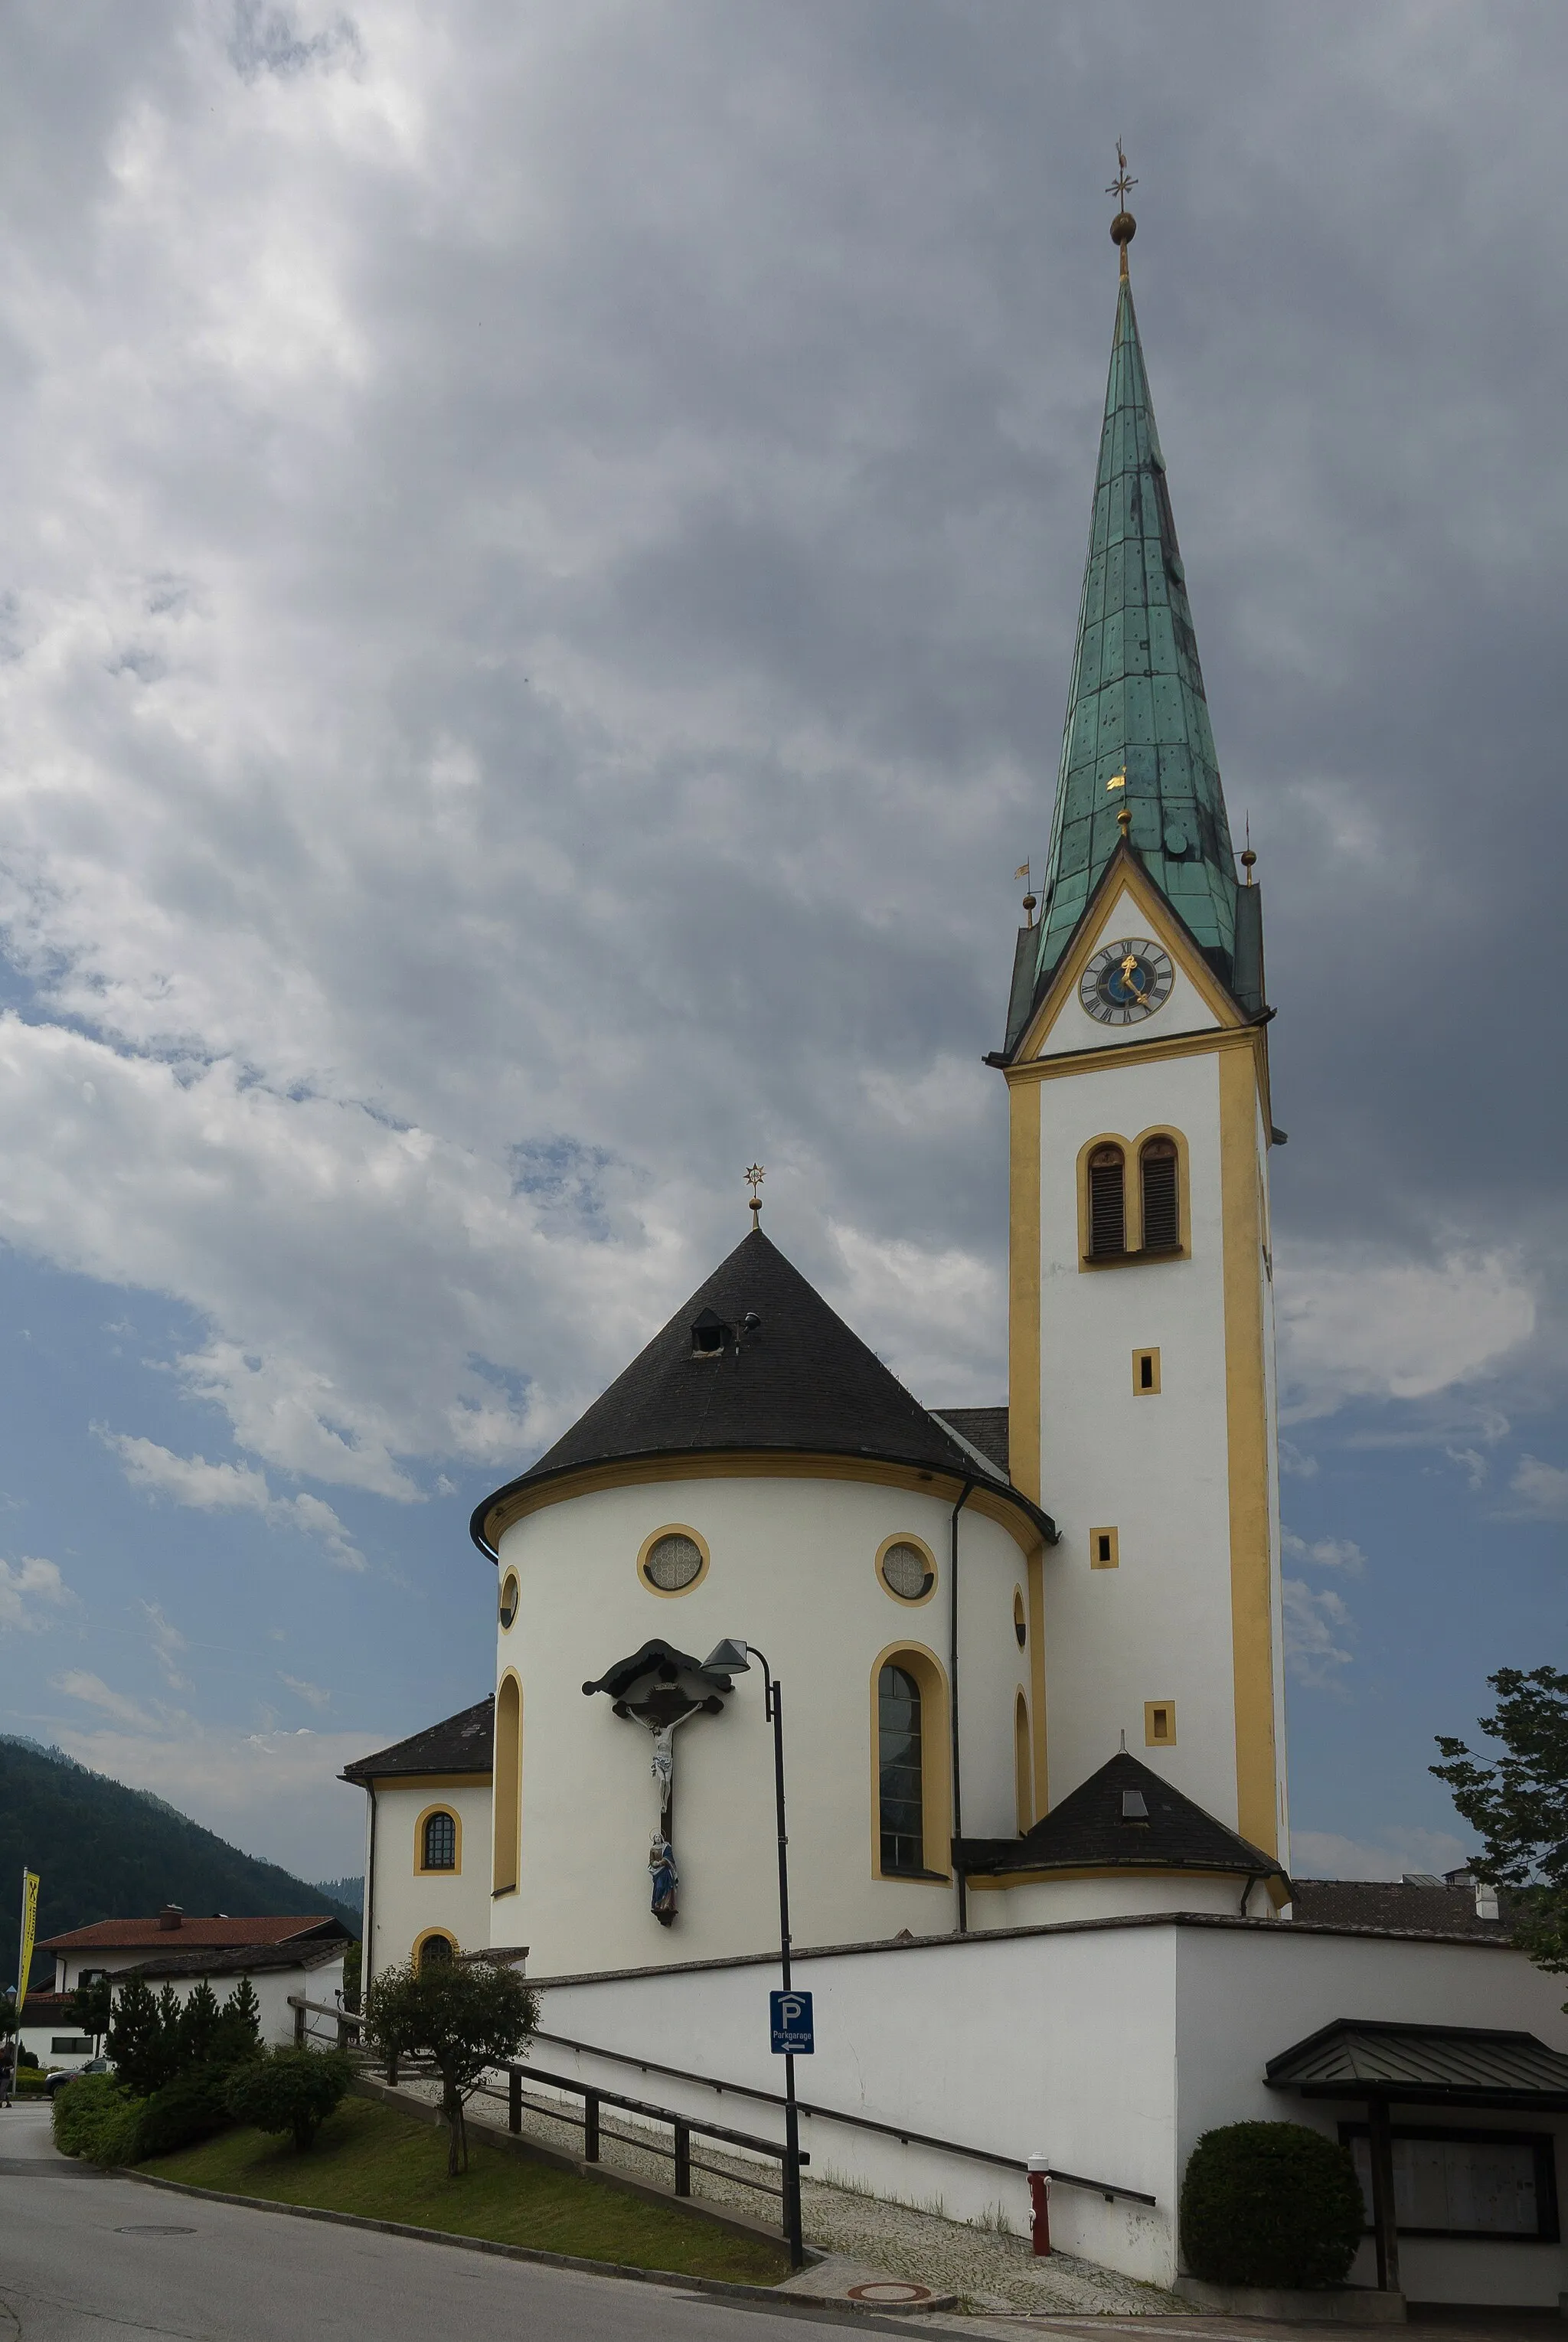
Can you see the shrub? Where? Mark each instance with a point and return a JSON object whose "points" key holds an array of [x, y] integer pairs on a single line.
{"points": [[468, 2015], [190, 2106], [96, 2121], [1271, 2203], [289, 2090]]}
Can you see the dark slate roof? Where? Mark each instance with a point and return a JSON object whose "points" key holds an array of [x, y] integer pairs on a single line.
{"points": [[464, 1743], [985, 1428], [245, 1959], [1087, 1831], [789, 1374], [1430, 2064], [1394, 1905]]}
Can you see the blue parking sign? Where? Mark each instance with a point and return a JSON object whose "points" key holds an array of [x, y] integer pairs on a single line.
{"points": [[790, 2013]]}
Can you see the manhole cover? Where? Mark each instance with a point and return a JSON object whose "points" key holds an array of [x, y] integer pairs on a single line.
{"points": [[889, 2290], [152, 2228]]}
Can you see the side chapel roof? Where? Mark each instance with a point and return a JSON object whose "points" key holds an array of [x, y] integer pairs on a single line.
{"points": [[464, 1743], [1093, 1829], [786, 1374]]}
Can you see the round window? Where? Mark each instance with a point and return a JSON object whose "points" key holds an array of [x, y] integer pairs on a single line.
{"points": [[508, 1610], [673, 1562], [907, 1572]]}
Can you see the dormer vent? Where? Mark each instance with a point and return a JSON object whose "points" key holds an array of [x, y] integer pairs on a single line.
{"points": [[1135, 1805], [709, 1334]]}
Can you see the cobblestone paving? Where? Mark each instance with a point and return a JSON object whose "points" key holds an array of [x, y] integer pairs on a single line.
{"points": [[987, 2272]]}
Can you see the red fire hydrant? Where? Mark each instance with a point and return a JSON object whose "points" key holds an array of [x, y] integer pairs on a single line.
{"points": [[1040, 2200]]}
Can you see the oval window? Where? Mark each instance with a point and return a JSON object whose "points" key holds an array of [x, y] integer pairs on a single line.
{"points": [[508, 1610], [673, 1562], [906, 1571]]}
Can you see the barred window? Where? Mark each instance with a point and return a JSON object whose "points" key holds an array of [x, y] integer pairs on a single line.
{"points": [[435, 1952], [906, 1572], [672, 1562], [1107, 1203], [440, 1842], [1161, 1208], [900, 1776]]}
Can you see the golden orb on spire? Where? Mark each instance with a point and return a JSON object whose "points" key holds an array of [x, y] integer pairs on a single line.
{"points": [[1123, 227]]}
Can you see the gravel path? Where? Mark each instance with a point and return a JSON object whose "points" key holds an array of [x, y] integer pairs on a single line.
{"points": [[986, 2271]]}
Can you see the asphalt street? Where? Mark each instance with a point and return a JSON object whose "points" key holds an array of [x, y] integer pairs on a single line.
{"points": [[84, 2258]]}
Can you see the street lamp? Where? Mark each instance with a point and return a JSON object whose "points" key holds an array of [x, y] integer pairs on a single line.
{"points": [[735, 1659]]}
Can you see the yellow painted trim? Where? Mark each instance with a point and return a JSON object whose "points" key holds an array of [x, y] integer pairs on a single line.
{"points": [[422, 1869], [984, 1886], [506, 1868], [509, 1579], [422, 1781], [1022, 1769], [905, 1601], [673, 1593], [936, 1782], [1024, 1292], [1112, 1558], [1157, 1708], [1247, 1437], [760, 1464], [1142, 1389], [1156, 911], [1213, 1040], [1131, 1150], [1037, 1677], [424, 1938]]}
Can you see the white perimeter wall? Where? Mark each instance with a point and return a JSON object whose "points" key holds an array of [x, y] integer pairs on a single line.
{"points": [[1108, 2048], [792, 1569]]}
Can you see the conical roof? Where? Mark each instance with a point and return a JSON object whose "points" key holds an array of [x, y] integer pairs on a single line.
{"points": [[782, 1372], [1136, 702]]}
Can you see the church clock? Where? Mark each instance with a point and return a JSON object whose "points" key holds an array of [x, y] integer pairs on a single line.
{"points": [[1125, 982]]}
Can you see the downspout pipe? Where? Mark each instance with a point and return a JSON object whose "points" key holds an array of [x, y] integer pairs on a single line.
{"points": [[967, 1492]]}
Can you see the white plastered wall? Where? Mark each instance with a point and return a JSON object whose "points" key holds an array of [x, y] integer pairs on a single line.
{"points": [[792, 1569], [1157, 1627], [407, 1903]]}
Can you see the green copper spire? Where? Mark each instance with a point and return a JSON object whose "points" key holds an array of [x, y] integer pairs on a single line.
{"points": [[1136, 704]]}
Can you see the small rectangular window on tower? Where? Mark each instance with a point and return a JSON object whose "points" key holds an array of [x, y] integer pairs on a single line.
{"points": [[1146, 1374], [1103, 1553], [1159, 1724]]}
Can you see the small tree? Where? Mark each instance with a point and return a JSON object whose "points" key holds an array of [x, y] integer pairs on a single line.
{"points": [[90, 2006], [236, 2036], [1520, 1805], [197, 2026], [1271, 2204], [135, 2039], [353, 1967], [467, 2014], [289, 2090]]}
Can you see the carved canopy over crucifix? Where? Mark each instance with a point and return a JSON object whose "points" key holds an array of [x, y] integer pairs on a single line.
{"points": [[660, 1688]]}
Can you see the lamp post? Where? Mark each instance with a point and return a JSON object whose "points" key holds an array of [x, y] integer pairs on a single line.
{"points": [[735, 1658]]}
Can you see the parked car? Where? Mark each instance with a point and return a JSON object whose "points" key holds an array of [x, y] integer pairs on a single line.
{"points": [[57, 2080]]}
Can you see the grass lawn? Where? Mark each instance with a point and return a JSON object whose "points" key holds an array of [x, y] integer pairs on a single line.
{"points": [[374, 2161]]}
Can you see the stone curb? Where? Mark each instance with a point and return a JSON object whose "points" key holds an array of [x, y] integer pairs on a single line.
{"points": [[760, 2296]]}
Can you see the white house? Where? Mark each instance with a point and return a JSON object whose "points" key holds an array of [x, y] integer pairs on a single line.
{"points": [[1029, 1656]]}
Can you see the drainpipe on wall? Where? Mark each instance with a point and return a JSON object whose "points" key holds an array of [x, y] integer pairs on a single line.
{"points": [[953, 1696]]}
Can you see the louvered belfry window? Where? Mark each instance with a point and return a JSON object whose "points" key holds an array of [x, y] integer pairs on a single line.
{"points": [[1107, 1203], [1161, 1211]]}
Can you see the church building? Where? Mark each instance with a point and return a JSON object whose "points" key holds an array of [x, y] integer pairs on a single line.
{"points": [[1030, 1655]]}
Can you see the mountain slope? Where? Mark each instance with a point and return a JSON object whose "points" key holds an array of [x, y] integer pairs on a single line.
{"points": [[106, 1852]]}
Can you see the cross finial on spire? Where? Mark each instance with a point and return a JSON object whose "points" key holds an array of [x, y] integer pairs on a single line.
{"points": [[1123, 227], [756, 1177]]}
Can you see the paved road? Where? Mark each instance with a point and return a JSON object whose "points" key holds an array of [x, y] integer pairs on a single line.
{"points": [[82, 2259]]}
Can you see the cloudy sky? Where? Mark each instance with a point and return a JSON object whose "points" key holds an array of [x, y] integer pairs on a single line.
{"points": [[538, 550]]}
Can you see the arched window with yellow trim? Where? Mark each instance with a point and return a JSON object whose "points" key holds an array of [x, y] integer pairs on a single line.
{"points": [[1107, 1204], [900, 1772], [434, 1950], [1023, 1765], [438, 1850], [508, 1789]]}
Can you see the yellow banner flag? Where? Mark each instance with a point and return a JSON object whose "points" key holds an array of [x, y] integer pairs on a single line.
{"points": [[29, 1929]]}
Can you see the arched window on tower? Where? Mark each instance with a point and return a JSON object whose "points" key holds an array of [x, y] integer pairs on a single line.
{"points": [[1107, 1203], [1161, 1195], [900, 1777], [440, 1849]]}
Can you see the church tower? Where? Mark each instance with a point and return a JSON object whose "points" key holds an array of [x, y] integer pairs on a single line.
{"points": [[1141, 1338]]}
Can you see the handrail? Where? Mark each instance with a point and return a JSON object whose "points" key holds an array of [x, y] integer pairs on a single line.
{"points": [[1110, 2189], [660, 2114]]}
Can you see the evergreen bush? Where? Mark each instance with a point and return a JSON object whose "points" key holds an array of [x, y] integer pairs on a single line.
{"points": [[289, 2090], [190, 2106], [1271, 2204], [97, 2121]]}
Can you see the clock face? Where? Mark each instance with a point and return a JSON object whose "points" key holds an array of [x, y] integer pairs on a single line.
{"points": [[1127, 981]]}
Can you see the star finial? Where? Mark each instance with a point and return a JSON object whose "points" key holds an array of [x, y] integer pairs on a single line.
{"points": [[1123, 227], [755, 1178]]}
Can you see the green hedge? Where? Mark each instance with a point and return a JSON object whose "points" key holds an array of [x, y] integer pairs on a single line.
{"points": [[1271, 2204], [96, 2121]]}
